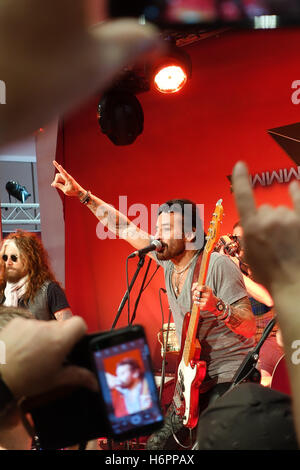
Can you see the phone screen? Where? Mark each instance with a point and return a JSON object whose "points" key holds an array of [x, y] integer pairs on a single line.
{"points": [[128, 387]]}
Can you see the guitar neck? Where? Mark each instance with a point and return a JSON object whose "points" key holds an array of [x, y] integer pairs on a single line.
{"points": [[190, 341]]}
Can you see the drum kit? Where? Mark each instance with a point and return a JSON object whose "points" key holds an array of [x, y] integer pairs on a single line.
{"points": [[168, 339]]}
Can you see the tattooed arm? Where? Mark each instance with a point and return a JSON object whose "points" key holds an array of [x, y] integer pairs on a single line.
{"points": [[240, 317], [241, 320], [63, 314], [115, 221]]}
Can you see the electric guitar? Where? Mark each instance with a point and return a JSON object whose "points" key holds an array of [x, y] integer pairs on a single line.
{"points": [[191, 371]]}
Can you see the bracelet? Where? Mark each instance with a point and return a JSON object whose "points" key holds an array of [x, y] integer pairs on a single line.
{"points": [[225, 314], [86, 198], [228, 316]]}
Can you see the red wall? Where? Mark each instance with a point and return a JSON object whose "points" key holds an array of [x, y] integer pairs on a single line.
{"points": [[240, 88]]}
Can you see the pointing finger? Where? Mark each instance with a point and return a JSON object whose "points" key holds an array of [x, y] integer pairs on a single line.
{"points": [[58, 178], [294, 191], [61, 170]]}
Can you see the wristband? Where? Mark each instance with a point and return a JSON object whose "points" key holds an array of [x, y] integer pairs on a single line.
{"points": [[226, 320], [225, 314], [86, 198]]}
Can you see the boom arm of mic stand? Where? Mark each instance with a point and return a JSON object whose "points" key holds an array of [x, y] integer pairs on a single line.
{"points": [[163, 367], [140, 292], [248, 366], [125, 297]]}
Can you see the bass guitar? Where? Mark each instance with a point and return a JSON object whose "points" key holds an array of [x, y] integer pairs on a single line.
{"points": [[191, 370]]}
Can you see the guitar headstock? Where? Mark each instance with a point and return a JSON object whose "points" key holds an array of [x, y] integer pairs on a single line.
{"points": [[213, 232]]}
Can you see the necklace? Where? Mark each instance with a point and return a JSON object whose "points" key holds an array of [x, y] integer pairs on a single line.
{"points": [[181, 273]]}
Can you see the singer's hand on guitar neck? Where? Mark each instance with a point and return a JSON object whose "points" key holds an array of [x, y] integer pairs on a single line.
{"points": [[241, 319], [204, 297]]}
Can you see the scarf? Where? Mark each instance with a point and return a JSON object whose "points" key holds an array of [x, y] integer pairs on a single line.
{"points": [[14, 291]]}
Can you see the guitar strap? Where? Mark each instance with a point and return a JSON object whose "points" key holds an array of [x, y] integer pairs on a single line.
{"points": [[196, 276]]}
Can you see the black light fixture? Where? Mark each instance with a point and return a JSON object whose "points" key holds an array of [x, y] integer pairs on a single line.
{"points": [[121, 117], [120, 114], [16, 190]]}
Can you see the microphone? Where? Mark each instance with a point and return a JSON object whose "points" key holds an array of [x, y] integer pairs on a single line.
{"points": [[155, 245]]}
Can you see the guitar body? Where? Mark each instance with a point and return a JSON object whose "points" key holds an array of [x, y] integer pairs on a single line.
{"points": [[188, 380]]}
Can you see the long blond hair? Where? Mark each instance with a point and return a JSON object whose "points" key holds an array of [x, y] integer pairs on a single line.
{"points": [[36, 260]]}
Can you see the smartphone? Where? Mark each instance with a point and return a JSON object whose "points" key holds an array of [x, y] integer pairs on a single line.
{"points": [[123, 366], [208, 12]]}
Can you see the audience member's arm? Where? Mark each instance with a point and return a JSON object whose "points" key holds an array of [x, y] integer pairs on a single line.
{"points": [[35, 351], [38, 39], [272, 249]]}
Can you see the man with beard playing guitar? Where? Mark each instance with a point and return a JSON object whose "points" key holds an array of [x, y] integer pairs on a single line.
{"points": [[226, 325]]}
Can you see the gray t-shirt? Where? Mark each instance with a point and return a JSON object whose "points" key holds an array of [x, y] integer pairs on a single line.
{"points": [[222, 349]]}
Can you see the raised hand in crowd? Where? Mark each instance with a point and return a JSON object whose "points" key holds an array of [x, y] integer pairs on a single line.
{"points": [[272, 249], [55, 54]]}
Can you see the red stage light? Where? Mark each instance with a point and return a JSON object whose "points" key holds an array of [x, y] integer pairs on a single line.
{"points": [[170, 79]]}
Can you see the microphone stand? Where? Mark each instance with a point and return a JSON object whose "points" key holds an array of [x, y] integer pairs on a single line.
{"points": [[247, 369], [163, 368], [140, 292], [125, 297]]}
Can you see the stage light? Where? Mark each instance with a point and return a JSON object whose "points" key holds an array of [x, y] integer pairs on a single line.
{"points": [[16, 190], [120, 117], [170, 79], [172, 72]]}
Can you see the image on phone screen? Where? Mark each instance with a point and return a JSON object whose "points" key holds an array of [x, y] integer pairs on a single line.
{"points": [[128, 386]]}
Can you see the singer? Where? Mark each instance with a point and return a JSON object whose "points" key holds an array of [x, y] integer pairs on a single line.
{"points": [[225, 339]]}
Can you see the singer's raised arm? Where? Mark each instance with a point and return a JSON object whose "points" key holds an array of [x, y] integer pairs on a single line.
{"points": [[115, 221]]}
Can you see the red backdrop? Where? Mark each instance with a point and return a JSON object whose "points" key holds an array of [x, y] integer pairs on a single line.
{"points": [[240, 88]]}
